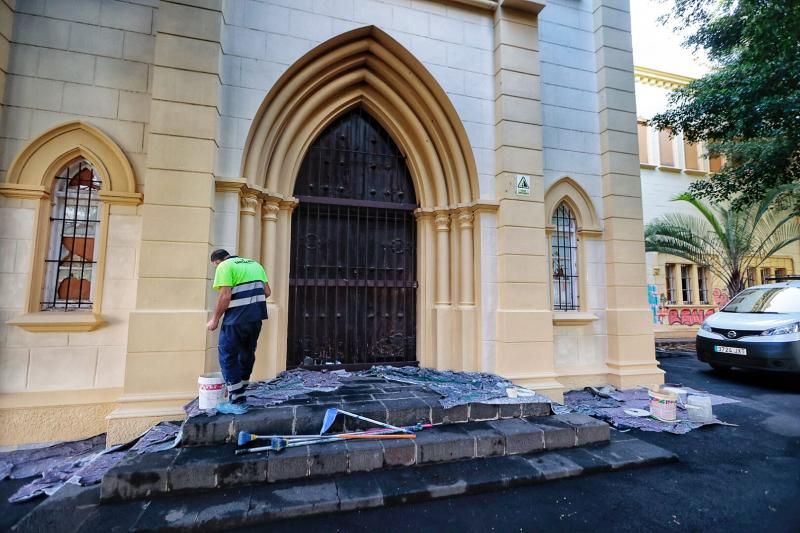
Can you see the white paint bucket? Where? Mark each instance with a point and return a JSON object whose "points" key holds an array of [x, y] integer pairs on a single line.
{"points": [[663, 405], [211, 390], [699, 408]]}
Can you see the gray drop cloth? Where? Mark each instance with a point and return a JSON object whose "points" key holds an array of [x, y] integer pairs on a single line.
{"points": [[81, 462], [457, 388], [284, 387], [612, 410]]}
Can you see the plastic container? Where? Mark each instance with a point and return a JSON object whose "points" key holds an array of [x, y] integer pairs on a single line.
{"points": [[699, 408], [663, 405], [211, 390]]}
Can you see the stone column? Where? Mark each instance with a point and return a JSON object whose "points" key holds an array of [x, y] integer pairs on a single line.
{"points": [[468, 312], [694, 282], [631, 351], [443, 309], [167, 337], [269, 231], [426, 266], [248, 208], [524, 319]]}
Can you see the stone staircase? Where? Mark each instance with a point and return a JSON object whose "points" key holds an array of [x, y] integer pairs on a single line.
{"points": [[482, 446]]}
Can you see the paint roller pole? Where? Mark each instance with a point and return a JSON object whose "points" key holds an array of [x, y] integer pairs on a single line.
{"points": [[330, 416]]}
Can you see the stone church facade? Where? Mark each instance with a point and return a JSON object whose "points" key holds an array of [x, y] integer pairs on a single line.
{"points": [[453, 184]]}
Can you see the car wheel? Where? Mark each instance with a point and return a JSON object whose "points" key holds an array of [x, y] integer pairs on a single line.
{"points": [[719, 368]]}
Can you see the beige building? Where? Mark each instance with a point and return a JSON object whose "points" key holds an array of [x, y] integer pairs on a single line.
{"points": [[480, 156], [682, 294]]}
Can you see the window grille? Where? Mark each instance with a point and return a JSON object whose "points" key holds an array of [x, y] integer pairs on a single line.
{"points": [[670, 277], [766, 273], [564, 243], [686, 284], [70, 266], [750, 275], [780, 274], [702, 284]]}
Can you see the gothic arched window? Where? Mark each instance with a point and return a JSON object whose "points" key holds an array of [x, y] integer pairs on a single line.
{"points": [[71, 262], [564, 256]]}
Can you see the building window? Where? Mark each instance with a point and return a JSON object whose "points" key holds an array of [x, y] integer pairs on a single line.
{"points": [[670, 277], [766, 274], [70, 265], [750, 277], [667, 154], [692, 161], [702, 284], [564, 246], [641, 129], [715, 163], [686, 284], [780, 274]]}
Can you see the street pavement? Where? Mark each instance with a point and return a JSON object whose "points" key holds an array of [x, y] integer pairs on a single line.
{"points": [[744, 478]]}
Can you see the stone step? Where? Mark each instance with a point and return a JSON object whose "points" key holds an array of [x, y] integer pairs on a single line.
{"points": [[80, 510], [209, 468], [304, 415]]}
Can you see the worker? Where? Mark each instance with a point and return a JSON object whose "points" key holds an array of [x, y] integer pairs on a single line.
{"points": [[243, 291]]}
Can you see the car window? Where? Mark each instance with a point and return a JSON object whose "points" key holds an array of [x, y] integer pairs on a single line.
{"points": [[771, 300]]}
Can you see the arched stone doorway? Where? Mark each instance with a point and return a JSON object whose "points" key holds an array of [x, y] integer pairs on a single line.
{"points": [[352, 273], [367, 69]]}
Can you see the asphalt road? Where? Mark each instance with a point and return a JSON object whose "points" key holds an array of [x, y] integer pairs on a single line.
{"points": [[729, 479]]}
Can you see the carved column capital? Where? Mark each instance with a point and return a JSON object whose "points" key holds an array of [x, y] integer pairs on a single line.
{"points": [[269, 210], [465, 218], [248, 203], [442, 221]]}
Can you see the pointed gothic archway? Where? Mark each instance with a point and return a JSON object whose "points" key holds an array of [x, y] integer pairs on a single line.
{"points": [[367, 69], [352, 275]]}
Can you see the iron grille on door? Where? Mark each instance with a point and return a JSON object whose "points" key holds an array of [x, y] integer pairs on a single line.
{"points": [[353, 277]]}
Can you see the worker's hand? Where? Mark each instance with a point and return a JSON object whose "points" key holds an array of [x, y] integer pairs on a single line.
{"points": [[212, 324]]}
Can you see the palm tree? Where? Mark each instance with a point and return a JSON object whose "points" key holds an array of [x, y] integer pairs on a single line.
{"points": [[728, 241]]}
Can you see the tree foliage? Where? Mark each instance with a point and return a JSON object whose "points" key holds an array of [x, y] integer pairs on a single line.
{"points": [[728, 241], [748, 108]]}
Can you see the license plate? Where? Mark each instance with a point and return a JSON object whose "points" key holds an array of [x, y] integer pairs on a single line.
{"points": [[728, 349]]}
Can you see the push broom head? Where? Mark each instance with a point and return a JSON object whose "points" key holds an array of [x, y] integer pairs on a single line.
{"points": [[244, 438], [327, 422]]}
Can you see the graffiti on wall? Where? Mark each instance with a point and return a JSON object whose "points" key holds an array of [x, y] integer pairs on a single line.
{"points": [[688, 316], [721, 297], [652, 300]]}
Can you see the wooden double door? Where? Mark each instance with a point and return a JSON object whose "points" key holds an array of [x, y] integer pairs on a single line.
{"points": [[353, 266]]}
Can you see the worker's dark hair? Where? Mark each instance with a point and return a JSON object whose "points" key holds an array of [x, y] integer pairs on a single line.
{"points": [[219, 255]]}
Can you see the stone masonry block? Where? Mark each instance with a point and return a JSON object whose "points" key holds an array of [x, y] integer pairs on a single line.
{"points": [[370, 409], [483, 411], [188, 21], [488, 441], [121, 74], [194, 469], [589, 430], [455, 414], [272, 421], [242, 470], [126, 16], [328, 459], [66, 66], [448, 443], [96, 40], [185, 86], [536, 409], [520, 435], [364, 456], [510, 410], [41, 31], [557, 434], [32, 92], [90, 101], [406, 412], [400, 452], [138, 476], [216, 430], [291, 463], [186, 53]]}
